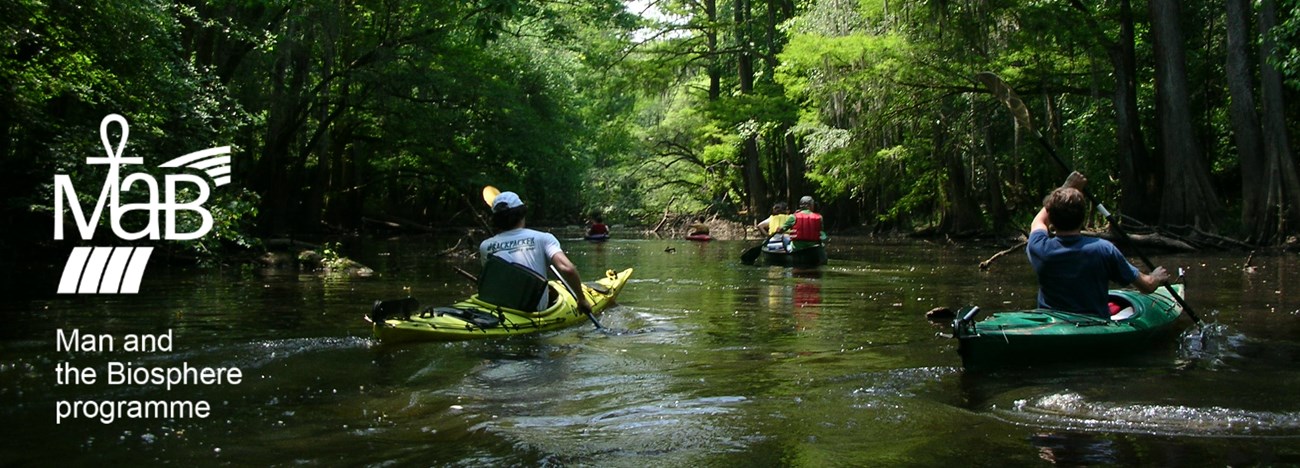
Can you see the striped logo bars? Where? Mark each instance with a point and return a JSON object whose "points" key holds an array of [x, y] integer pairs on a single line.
{"points": [[104, 270]]}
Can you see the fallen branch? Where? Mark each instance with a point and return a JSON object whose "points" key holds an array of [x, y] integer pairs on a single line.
{"points": [[466, 274], [1159, 241], [289, 243], [667, 211], [393, 222], [450, 249], [1221, 239], [984, 265], [477, 215]]}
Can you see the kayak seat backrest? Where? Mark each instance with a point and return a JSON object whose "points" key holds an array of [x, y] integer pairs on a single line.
{"points": [[510, 285], [1120, 308]]}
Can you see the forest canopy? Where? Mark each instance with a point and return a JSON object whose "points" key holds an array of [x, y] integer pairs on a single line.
{"points": [[343, 112]]}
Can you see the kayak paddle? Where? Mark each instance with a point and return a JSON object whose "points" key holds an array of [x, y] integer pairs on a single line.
{"points": [[751, 253], [575, 295], [489, 194], [1008, 97]]}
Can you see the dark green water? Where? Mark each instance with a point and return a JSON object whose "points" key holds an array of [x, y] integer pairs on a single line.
{"points": [[707, 362]]}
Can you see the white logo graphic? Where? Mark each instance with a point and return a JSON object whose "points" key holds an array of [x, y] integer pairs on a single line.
{"points": [[112, 270]]}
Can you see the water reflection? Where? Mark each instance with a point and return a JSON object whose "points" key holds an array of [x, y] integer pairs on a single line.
{"points": [[1075, 450], [708, 363]]}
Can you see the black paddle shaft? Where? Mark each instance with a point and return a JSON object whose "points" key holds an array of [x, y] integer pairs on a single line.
{"points": [[1021, 114], [576, 297]]}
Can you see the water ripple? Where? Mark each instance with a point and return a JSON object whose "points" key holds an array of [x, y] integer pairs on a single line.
{"points": [[1073, 411]]}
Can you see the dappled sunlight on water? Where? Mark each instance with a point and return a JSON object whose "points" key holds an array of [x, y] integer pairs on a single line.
{"points": [[705, 362]]}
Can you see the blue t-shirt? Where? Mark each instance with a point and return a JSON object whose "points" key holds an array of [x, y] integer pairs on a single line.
{"points": [[1074, 272]]}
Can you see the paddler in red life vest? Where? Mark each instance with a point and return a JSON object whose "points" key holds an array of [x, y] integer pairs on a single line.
{"points": [[805, 227]]}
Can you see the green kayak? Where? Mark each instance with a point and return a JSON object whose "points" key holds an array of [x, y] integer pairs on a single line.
{"points": [[402, 320], [1044, 335]]}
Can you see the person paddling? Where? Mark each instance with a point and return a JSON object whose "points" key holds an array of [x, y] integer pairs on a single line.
{"points": [[597, 227], [1073, 270], [533, 249], [772, 226], [805, 226], [699, 227]]}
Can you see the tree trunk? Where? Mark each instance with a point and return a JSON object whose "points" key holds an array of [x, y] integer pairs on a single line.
{"points": [[1139, 178], [754, 185], [745, 54], [1277, 150], [1189, 198], [796, 169], [1256, 182], [281, 127], [711, 41], [997, 202], [961, 212]]}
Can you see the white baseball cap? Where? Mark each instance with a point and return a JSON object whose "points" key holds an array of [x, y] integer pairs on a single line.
{"points": [[505, 201]]}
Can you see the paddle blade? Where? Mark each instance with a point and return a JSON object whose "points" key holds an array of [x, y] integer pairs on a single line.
{"points": [[750, 255], [490, 193], [1008, 97]]}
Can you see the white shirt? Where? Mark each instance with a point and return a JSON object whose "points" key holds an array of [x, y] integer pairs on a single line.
{"points": [[524, 246]]}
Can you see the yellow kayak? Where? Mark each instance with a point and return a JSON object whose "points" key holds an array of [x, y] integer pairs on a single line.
{"points": [[402, 320]]}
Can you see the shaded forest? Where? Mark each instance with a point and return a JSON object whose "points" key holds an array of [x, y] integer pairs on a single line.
{"points": [[341, 114]]}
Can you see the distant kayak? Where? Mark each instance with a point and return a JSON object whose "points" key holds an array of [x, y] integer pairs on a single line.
{"points": [[597, 237], [805, 257], [699, 237], [1042, 335], [403, 320]]}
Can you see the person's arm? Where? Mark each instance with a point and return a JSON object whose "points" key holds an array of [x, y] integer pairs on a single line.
{"points": [[762, 225], [788, 224], [1040, 221], [569, 273], [1149, 283]]}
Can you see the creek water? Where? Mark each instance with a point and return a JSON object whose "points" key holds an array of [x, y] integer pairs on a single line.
{"points": [[705, 362]]}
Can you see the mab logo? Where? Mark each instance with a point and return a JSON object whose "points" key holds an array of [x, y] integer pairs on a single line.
{"points": [[114, 270]]}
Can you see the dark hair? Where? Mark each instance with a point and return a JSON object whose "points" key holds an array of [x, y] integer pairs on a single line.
{"points": [[1065, 208], [780, 208], [508, 219]]}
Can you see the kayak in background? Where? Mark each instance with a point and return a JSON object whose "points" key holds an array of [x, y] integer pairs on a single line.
{"points": [[805, 257], [699, 237], [402, 320], [1044, 335], [597, 237]]}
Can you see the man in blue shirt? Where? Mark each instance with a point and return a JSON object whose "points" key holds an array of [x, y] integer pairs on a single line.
{"points": [[1074, 271]]}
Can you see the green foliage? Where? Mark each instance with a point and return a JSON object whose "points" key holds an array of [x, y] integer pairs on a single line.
{"points": [[331, 255], [342, 110], [1286, 36]]}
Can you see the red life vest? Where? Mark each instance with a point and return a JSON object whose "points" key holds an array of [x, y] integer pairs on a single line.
{"points": [[807, 227]]}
